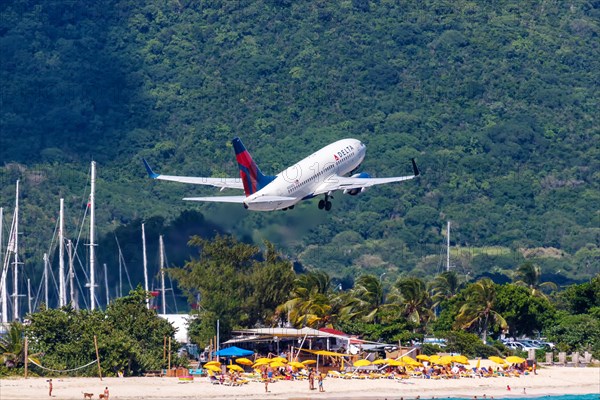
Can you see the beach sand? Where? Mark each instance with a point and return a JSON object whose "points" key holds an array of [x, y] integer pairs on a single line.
{"points": [[549, 381]]}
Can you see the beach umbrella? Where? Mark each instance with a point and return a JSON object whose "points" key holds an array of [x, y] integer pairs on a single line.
{"points": [[215, 363], [434, 358], [263, 360], [396, 363], [497, 360], [381, 361], [244, 361], [514, 360], [411, 361], [297, 364], [423, 357], [478, 363], [280, 359], [460, 359], [445, 360], [235, 368], [212, 368], [362, 363], [259, 364], [277, 364], [308, 362]]}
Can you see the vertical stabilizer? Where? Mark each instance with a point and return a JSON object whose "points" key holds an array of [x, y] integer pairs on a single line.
{"points": [[252, 178]]}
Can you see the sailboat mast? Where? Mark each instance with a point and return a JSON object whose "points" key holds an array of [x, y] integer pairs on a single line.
{"points": [[162, 274], [3, 297], [145, 266], [46, 279], [72, 276], [448, 248], [3, 283], [16, 315], [62, 294], [106, 285], [92, 235]]}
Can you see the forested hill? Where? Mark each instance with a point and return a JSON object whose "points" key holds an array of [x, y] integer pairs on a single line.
{"points": [[497, 101]]}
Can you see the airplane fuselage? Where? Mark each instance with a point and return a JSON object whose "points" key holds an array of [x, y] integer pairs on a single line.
{"points": [[305, 177]]}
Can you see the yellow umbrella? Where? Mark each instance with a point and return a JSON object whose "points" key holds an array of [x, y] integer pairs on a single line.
{"points": [[411, 361], [434, 358], [497, 360], [396, 363], [362, 363], [263, 360], [460, 360], [259, 364], [478, 363], [308, 362], [216, 363], [381, 361], [445, 360], [297, 364], [514, 360], [235, 368], [423, 357], [280, 359], [243, 361], [213, 368], [277, 364]]}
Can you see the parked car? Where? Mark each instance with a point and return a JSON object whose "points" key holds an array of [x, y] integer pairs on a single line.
{"points": [[519, 346]]}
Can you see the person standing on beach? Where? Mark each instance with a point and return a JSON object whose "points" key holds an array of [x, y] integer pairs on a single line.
{"points": [[311, 379], [320, 380], [49, 387]]}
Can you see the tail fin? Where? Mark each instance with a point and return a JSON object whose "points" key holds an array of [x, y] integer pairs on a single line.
{"points": [[252, 178]]}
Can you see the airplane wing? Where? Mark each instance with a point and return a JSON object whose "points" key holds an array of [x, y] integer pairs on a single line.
{"points": [[336, 182], [218, 199], [231, 183]]}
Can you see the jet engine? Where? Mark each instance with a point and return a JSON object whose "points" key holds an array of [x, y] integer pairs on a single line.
{"points": [[355, 191]]}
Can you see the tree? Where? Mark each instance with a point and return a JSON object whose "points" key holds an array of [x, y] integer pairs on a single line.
{"points": [[11, 346], [130, 337], [310, 303], [528, 274], [479, 309], [525, 314], [412, 300], [365, 300], [444, 286]]}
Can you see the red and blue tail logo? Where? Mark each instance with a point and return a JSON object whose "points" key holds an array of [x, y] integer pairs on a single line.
{"points": [[252, 178]]}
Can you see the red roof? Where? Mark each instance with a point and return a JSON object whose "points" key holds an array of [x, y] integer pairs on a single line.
{"points": [[333, 332]]}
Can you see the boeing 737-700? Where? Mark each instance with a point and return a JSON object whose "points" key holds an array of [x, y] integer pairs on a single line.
{"points": [[321, 173]]}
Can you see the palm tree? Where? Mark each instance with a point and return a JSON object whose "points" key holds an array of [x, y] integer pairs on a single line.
{"points": [[413, 300], [479, 308], [529, 274], [444, 286], [310, 302], [365, 300], [12, 346]]}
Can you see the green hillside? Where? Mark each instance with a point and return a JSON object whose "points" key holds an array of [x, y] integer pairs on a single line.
{"points": [[497, 101]]}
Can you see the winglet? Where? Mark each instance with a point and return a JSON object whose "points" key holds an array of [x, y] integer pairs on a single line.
{"points": [[151, 173], [416, 171]]}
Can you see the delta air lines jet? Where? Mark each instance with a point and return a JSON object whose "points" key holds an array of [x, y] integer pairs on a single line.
{"points": [[321, 173]]}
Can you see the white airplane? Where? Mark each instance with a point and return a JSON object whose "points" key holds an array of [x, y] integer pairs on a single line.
{"points": [[321, 173]]}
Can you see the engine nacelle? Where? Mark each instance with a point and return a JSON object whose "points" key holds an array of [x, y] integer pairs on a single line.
{"points": [[355, 191]]}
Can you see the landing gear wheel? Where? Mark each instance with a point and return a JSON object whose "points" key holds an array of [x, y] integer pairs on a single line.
{"points": [[328, 206], [321, 204]]}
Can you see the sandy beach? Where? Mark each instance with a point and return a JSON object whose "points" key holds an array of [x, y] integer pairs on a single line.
{"points": [[549, 381]]}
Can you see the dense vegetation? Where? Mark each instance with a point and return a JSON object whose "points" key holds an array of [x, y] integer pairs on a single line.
{"points": [[496, 100], [130, 339]]}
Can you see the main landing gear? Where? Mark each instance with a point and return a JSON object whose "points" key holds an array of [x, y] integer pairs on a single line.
{"points": [[325, 203]]}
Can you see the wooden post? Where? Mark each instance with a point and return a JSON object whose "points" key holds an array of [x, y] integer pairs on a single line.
{"points": [[97, 357], [164, 349], [169, 352], [26, 356]]}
